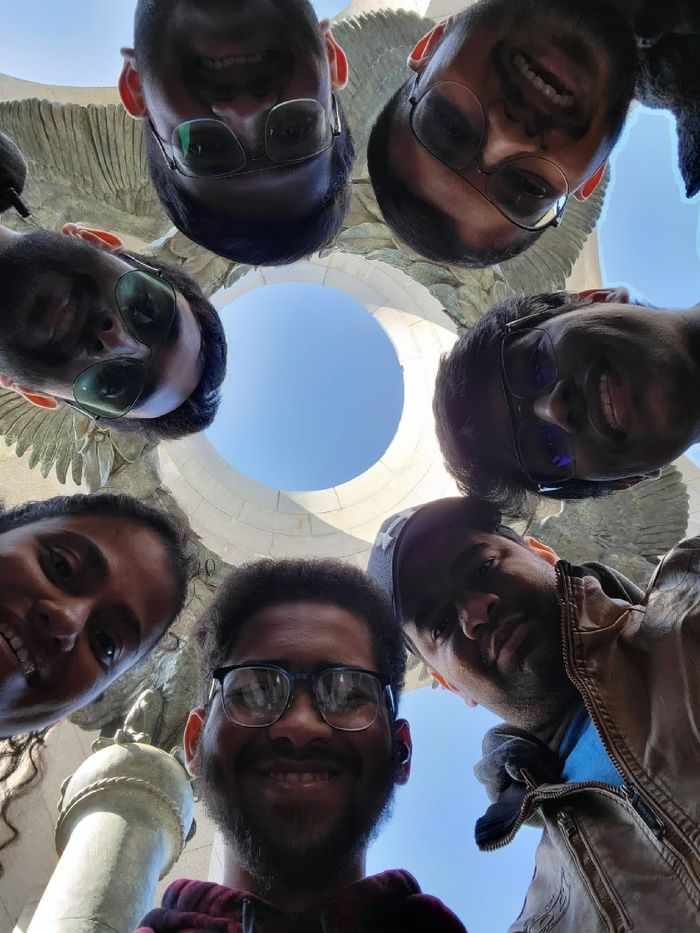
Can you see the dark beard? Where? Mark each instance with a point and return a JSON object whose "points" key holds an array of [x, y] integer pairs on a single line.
{"points": [[22, 264], [279, 867], [597, 21]]}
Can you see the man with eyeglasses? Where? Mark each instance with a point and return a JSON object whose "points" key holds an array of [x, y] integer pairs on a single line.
{"points": [[124, 338], [568, 396], [598, 684], [513, 110], [247, 144], [296, 751]]}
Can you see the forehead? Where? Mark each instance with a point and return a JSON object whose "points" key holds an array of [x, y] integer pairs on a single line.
{"points": [[138, 570], [305, 634]]}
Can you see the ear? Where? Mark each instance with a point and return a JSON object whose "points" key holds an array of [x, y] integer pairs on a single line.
{"points": [[616, 296], [337, 61], [402, 733], [129, 85], [191, 739], [40, 399], [100, 238], [590, 185], [542, 550], [426, 47]]}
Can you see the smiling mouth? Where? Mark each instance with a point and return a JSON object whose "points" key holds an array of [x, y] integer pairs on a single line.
{"points": [[299, 777], [19, 649], [217, 64], [544, 81]]}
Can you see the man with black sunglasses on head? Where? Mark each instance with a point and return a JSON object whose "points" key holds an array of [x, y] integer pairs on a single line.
{"points": [[247, 144], [512, 111], [568, 396], [123, 338], [297, 750]]}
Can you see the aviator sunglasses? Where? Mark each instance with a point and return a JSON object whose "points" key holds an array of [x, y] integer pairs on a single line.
{"points": [[295, 130], [147, 307], [528, 369], [448, 120], [258, 695]]}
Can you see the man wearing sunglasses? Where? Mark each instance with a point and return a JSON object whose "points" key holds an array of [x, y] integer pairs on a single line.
{"points": [[297, 750], [513, 110], [122, 338], [247, 144], [568, 396], [598, 685]]}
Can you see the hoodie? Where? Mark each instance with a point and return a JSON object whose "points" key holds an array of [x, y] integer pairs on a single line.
{"points": [[391, 902]]}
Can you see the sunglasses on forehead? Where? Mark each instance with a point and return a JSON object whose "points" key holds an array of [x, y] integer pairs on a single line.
{"points": [[295, 130], [147, 306]]}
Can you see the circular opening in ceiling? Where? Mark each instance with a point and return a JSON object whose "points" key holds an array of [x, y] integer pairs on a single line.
{"points": [[314, 389]]}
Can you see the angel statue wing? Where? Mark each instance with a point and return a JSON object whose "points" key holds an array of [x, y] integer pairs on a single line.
{"points": [[86, 163], [629, 530]]}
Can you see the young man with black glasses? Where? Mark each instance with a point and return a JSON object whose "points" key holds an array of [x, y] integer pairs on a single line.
{"points": [[297, 750], [247, 144], [568, 396], [123, 338], [513, 110]]}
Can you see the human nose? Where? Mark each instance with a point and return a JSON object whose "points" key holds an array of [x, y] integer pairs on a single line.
{"points": [[246, 115], [301, 722], [112, 338], [561, 406], [505, 137], [60, 622], [473, 611]]}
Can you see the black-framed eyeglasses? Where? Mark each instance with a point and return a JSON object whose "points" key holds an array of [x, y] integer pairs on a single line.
{"points": [[448, 120], [295, 130], [147, 307], [528, 369], [258, 695]]}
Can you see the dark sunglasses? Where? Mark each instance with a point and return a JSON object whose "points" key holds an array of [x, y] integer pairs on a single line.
{"points": [[258, 695], [147, 306], [295, 130], [448, 120], [528, 369]]}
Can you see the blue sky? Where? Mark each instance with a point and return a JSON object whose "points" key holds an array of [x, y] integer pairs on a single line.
{"points": [[649, 240]]}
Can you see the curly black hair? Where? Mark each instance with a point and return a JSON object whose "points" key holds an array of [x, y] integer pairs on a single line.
{"points": [[265, 583]]}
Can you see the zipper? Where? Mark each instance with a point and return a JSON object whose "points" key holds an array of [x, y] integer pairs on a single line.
{"points": [[607, 902], [672, 835]]}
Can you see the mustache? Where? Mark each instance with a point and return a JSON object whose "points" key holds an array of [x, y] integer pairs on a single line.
{"points": [[318, 757]]}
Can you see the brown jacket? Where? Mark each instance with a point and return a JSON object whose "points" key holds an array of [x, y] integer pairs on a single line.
{"points": [[615, 859]]}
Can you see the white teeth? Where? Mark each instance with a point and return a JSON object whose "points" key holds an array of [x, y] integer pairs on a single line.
{"points": [[606, 402], [218, 63], [561, 100], [299, 777], [18, 646]]}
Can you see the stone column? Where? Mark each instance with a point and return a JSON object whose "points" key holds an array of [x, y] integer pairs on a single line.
{"points": [[123, 820]]}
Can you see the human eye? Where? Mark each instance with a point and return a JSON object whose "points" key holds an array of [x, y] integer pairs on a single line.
{"points": [[62, 562], [443, 623], [103, 645], [484, 567]]}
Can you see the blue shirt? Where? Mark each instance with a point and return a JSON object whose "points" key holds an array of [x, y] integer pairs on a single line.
{"points": [[584, 755]]}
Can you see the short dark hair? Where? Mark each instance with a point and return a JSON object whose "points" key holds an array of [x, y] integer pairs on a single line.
{"points": [[426, 229], [266, 583], [245, 239], [197, 412], [115, 505], [466, 444]]}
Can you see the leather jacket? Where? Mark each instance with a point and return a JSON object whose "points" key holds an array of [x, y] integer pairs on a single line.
{"points": [[614, 859]]}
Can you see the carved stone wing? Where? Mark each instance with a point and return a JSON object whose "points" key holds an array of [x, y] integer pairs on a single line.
{"points": [[629, 530], [86, 163], [377, 45]]}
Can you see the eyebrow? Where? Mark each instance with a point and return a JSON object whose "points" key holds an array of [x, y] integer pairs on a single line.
{"points": [[466, 557]]}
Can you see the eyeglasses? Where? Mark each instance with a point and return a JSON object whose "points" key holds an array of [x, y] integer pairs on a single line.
{"points": [[295, 130], [147, 306], [528, 369], [448, 120], [258, 695]]}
